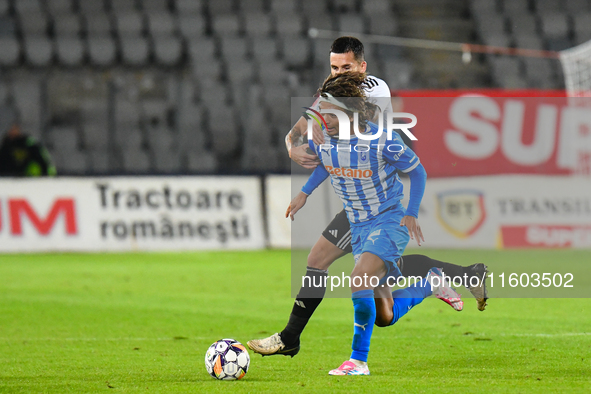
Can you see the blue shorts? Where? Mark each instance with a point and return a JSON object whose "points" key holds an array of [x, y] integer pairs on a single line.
{"points": [[382, 236]]}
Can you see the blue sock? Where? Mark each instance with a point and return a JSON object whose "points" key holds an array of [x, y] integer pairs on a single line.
{"points": [[365, 317], [406, 299]]}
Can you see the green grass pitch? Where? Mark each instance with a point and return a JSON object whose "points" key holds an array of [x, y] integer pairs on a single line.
{"points": [[135, 323]]}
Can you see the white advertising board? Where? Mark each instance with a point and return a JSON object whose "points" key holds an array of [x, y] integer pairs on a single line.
{"points": [[122, 214]]}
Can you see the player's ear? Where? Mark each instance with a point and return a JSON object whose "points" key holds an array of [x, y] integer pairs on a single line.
{"points": [[363, 66]]}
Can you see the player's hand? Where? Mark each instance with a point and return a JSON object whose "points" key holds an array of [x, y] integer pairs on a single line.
{"points": [[300, 155], [317, 134], [296, 204], [414, 229]]}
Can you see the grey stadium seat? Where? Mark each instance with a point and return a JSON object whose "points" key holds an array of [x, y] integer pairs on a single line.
{"points": [[512, 7], [98, 160], [252, 6], [161, 23], [129, 137], [166, 160], [223, 129], [10, 53], [119, 6], [99, 24], [272, 72], [554, 25], [91, 7], [154, 5], [4, 7], [529, 42], [226, 25], [34, 23], [25, 7], [95, 135], [371, 7], [218, 7], [7, 26], [38, 50], [264, 49], [203, 48], [240, 71], [56, 7], [129, 23], [576, 7], [135, 160], [382, 24], [207, 68], [582, 27], [64, 138], [188, 6], [69, 162], [204, 162], [168, 50], [351, 23], [497, 40], [258, 25], [102, 50], [344, 6], [135, 50], [296, 51], [548, 6], [522, 24], [67, 24], [284, 7], [539, 72], [234, 49], [70, 50], [191, 26], [289, 25]]}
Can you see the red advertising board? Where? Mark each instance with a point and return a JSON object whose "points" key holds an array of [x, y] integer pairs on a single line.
{"points": [[479, 134]]}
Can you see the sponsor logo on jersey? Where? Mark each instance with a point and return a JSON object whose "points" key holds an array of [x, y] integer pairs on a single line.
{"points": [[461, 212], [363, 157], [349, 172], [334, 233], [374, 236]]}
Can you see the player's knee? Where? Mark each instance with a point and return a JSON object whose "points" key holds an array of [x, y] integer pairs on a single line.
{"points": [[384, 320], [318, 260]]}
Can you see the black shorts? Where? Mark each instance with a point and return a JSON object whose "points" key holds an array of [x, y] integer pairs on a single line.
{"points": [[338, 232]]}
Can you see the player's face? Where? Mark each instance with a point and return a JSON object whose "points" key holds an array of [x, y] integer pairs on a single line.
{"points": [[343, 62], [332, 121]]}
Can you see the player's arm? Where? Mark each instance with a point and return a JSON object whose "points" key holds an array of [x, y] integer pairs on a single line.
{"points": [[408, 162], [297, 150], [318, 176]]}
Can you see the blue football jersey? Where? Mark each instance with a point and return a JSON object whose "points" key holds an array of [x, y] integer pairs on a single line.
{"points": [[363, 172]]}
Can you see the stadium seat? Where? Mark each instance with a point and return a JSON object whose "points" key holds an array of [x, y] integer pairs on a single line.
{"points": [[522, 24], [220, 7], [223, 127], [539, 72], [260, 158], [99, 23], [207, 69], [234, 49], [296, 51], [127, 114], [102, 50], [135, 50], [258, 25], [321, 52], [161, 138], [264, 49], [252, 6], [66, 24], [161, 23], [69, 162], [192, 7], [289, 25], [129, 23], [128, 137], [242, 71], [57, 7], [26, 7], [548, 6], [38, 50], [506, 71], [4, 7], [512, 7], [4, 93], [575, 7], [284, 7], [34, 23], [483, 7], [321, 20], [272, 73], [95, 136], [205, 162], [351, 23], [191, 26], [10, 53], [532, 41], [92, 7], [64, 138], [70, 50], [382, 24], [226, 25], [168, 50], [490, 24], [123, 6], [155, 5], [166, 160], [135, 161], [98, 161], [498, 40], [375, 7], [554, 25], [7, 26]]}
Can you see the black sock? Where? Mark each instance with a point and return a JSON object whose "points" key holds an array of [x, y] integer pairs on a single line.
{"points": [[419, 265], [308, 299]]}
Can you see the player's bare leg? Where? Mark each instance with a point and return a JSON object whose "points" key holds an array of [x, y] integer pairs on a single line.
{"points": [[322, 255]]}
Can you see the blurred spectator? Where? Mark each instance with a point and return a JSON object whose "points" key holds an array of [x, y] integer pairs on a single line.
{"points": [[20, 154]]}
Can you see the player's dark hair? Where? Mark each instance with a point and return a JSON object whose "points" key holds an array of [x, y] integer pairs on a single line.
{"points": [[348, 88], [349, 44]]}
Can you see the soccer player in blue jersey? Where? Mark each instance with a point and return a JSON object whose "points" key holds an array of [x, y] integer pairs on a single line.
{"points": [[364, 175]]}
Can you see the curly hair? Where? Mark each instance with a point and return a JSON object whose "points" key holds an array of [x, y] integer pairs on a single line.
{"points": [[348, 88]]}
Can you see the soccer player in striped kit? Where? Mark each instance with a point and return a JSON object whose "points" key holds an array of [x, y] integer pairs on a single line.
{"points": [[346, 54], [363, 174]]}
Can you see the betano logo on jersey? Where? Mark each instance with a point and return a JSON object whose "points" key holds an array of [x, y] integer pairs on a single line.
{"points": [[349, 172], [345, 123]]}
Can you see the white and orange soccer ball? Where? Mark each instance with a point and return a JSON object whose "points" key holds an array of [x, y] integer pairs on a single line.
{"points": [[227, 359]]}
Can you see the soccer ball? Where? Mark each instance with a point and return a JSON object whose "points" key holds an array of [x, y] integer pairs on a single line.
{"points": [[227, 359]]}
